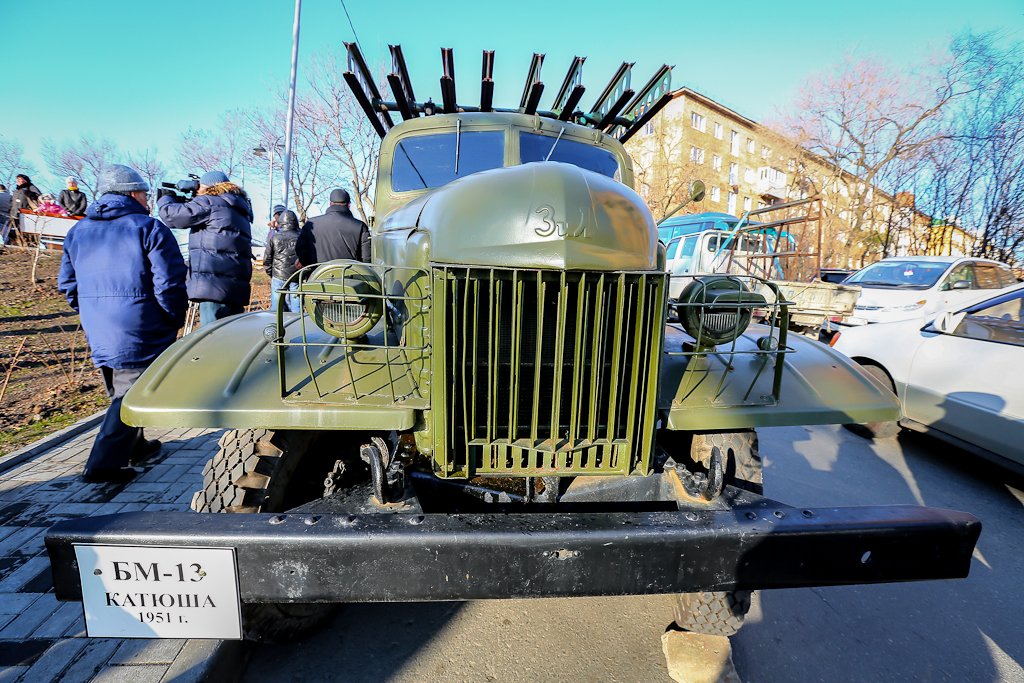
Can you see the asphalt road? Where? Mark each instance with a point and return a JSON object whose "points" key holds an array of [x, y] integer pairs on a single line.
{"points": [[967, 630]]}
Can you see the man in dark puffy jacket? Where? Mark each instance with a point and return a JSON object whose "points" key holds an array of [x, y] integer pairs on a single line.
{"points": [[335, 235], [72, 199], [279, 259], [219, 244], [122, 271]]}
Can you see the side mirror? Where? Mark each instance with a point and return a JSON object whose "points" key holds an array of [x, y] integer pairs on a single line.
{"points": [[962, 284], [697, 191], [947, 322]]}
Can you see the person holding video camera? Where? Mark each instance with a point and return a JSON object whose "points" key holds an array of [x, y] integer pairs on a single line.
{"points": [[219, 218]]}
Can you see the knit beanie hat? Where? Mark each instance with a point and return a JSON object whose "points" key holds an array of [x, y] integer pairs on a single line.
{"points": [[118, 178], [278, 208], [71, 182], [339, 196], [212, 178]]}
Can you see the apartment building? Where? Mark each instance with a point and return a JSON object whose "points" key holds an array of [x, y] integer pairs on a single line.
{"points": [[746, 166]]}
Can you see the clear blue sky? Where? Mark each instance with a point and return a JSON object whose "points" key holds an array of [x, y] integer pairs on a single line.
{"points": [[140, 73]]}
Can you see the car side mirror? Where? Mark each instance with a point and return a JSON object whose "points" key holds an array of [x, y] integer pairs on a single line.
{"points": [[962, 284], [947, 322]]}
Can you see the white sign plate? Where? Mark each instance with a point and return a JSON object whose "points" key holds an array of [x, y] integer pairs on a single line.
{"points": [[157, 592]]}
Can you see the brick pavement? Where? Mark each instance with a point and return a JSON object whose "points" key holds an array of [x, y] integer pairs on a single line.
{"points": [[43, 640]]}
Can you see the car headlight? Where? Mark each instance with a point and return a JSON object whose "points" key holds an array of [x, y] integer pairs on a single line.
{"points": [[344, 298], [908, 307], [717, 310]]}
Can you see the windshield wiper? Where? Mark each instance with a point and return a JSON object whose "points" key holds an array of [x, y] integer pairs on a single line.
{"points": [[552, 150]]}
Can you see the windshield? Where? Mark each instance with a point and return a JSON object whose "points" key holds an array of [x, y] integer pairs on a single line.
{"points": [[533, 147], [902, 274], [426, 161]]}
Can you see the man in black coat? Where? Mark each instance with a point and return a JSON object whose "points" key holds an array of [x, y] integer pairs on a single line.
{"points": [[279, 259], [335, 235]]}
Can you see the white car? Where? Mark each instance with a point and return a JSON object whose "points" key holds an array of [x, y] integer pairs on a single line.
{"points": [[957, 377], [918, 287]]}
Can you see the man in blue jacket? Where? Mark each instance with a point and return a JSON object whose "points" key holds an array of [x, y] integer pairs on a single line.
{"points": [[123, 272], [219, 244]]}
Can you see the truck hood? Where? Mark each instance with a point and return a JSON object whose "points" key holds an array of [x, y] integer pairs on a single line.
{"points": [[537, 215]]}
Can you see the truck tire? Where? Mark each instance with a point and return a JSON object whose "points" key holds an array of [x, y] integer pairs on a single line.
{"points": [[740, 452], [258, 470], [713, 613], [721, 613], [877, 430]]}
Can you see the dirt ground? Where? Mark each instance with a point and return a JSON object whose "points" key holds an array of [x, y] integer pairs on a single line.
{"points": [[47, 379]]}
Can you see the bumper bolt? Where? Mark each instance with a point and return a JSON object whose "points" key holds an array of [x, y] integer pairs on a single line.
{"points": [[277, 519], [780, 514], [418, 519], [692, 516], [310, 521], [808, 514], [751, 515]]}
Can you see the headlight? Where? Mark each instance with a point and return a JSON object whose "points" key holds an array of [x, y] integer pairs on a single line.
{"points": [[344, 298], [908, 307], [716, 310]]}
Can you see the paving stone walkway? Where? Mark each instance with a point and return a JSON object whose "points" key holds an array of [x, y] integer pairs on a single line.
{"points": [[43, 640]]}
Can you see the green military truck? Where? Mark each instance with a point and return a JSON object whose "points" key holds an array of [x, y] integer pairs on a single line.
{"points": [[494, 407]]}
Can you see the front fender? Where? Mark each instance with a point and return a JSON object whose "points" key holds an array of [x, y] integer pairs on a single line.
{"points": [[227, 375], [726, 392]]}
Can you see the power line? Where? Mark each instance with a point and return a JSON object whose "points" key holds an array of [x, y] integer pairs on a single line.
{"points": [[352, 26]]}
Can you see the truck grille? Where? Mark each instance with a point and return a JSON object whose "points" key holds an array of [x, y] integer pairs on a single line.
{"points": [[545, 372]]}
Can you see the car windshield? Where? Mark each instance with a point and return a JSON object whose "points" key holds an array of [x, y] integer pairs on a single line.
{"points": [[533, 147], [902, 274], [426, 161]]}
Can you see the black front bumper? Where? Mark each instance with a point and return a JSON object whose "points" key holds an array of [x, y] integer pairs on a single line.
{"points": [[365, 558]]}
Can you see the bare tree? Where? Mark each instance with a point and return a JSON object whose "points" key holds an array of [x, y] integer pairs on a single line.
{"points": [[353, 144], [83, 158], [149, 167], [976, 179], [664, 165], [223, 148], [862, 119], [12, 161]]}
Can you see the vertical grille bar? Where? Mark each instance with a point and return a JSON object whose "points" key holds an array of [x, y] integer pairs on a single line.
{"points": [[492, 354], [472, 335], [638, 348], [596, 358], [577, 366], [559, 369], [517, 336], [618, 332], [538, 361]]}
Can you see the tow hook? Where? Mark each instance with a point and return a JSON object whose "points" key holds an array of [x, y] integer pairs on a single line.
{"points": [[704, 486], [386, 471]]}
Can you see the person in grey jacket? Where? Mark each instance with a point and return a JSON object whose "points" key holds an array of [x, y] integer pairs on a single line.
{"points": [[72, 199]]}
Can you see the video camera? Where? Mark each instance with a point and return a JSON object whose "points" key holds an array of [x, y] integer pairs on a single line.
{"points": [[188, 187]]}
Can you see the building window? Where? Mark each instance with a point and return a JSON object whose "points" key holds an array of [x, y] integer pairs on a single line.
{"points": [[698, 121], [718, 131], [716, 195], [734, 174], [748, 175], [716, 162], [731, 203], [648, 128], [734, 142], [746, 203], [750, 145], [697, 155], [766, 152], [761, 205]]}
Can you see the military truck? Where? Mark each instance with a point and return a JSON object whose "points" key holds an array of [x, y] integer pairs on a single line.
{"points": [[494, 407]]}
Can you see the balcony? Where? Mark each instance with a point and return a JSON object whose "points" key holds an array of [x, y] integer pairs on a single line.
{"points": [[771, 183]]}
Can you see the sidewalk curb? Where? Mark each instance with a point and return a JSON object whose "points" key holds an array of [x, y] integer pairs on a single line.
{"points": [[47, 442], [209, 661]]}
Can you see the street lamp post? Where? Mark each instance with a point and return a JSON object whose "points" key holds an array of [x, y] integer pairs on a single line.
{"points": [[260, 151]]}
